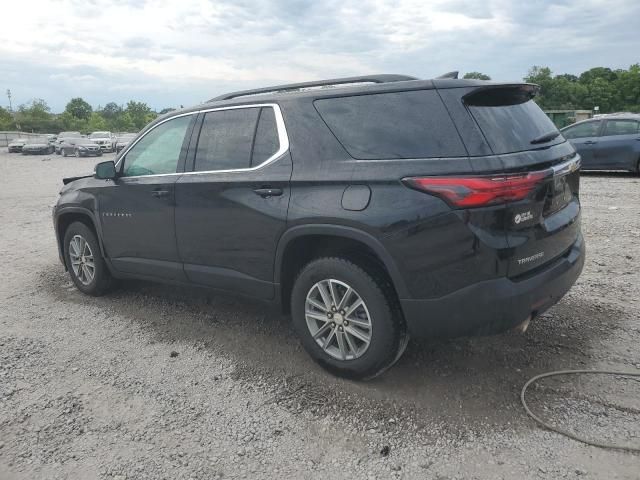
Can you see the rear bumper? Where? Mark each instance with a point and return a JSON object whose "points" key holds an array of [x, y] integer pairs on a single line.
{"points": [[495, 305]]}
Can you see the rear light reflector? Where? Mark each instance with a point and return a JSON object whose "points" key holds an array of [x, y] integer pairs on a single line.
{"points": [[479, 191]]}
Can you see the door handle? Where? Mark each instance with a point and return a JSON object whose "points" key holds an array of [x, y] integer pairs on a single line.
{"points": [[160, 193], [590, 142], [267, 192]]}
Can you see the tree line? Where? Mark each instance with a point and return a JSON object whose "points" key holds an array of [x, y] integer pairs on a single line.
{"points": [[611, 90], [78, 115]]}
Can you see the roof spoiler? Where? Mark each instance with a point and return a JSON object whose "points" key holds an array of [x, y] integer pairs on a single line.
{"points": [[453, 75], [501, 95]]}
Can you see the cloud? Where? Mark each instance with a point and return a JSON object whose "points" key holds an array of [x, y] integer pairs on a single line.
{"points": [[168, 53]]}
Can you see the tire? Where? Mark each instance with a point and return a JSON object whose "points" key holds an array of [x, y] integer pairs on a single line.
{"points": [[387, 332], [101, 281], [63, 152], [77, 153], [58, 152]]}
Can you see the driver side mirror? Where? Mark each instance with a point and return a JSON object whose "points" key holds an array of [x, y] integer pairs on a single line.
{"points": [[105, 170]]}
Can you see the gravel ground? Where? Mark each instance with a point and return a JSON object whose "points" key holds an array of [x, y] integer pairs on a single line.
{"points": [[161, 382]]}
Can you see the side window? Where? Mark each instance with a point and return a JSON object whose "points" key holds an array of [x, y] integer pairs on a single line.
{"points": [[587, 129], [159, 150], [621, 127], [412, 124], [266, 142], [226, 139]]}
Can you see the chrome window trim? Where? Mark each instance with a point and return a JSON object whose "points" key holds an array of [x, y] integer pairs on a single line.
{"points": [[283, 139]]}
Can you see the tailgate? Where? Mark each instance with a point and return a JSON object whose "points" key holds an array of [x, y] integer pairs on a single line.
{"points": [[544, 226]]}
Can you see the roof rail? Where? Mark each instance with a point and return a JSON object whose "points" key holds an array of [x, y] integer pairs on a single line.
{"points": [[383, 78], [453, 75]]}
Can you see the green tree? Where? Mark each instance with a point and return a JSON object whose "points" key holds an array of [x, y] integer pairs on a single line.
{"points": [[124, 123], [79, 108], [140, 113], [6, 120], [476, 76], [34, 117], [166, 110], [97, 123], [71, 123], [611, 90]]}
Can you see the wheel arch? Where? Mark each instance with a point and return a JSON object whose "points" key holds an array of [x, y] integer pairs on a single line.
{"points": [[293, 243], [66, 217]]}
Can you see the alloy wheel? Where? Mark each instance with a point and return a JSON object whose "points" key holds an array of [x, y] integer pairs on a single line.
{"points": [[82, 261], [338, 319]]}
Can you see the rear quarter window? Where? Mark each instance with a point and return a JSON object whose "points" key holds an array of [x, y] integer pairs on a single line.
{"points": [[413, 124], [620, 127]]}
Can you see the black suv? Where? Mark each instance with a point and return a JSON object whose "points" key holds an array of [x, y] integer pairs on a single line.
{"points": [[371, 208]]}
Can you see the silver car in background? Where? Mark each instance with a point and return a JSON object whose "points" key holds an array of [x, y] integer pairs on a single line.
{"points": [[15, 145], [106, 140]]}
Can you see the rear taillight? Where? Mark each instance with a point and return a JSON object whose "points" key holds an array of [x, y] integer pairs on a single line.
{"points": [[479, 191]]}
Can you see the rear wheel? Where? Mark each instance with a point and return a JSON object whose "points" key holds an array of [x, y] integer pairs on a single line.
{"points": [[84, 260], [347, 318], [77, 152]]}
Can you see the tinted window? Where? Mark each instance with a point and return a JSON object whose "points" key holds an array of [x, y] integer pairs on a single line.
{"points": [[159, 150], [392, 125], [226, 139], [266, 142], [511, 128], [582, 130], [621, 127]]}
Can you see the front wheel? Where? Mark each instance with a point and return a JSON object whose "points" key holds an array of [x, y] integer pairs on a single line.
{"points": [[84, 260], [348, 318]]}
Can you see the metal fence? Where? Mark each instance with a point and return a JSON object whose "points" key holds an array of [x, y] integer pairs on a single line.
{"points": [[8, 137]]}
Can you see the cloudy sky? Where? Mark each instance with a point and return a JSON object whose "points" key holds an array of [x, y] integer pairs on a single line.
{"points": [[168, 53]]}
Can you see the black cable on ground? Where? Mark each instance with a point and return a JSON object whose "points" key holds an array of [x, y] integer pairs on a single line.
{"points": [[567, 433]]}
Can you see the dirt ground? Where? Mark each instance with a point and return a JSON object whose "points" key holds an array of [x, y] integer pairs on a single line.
{"points": [[160, 382]]}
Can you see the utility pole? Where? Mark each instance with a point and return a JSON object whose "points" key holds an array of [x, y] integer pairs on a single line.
{"points": [[9, 96]]}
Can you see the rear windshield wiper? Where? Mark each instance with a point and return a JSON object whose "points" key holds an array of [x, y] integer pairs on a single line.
{"points": [[547, 137]]}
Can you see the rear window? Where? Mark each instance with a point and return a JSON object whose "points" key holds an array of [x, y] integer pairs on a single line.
{"points": [[511, 127], [410, 124]]}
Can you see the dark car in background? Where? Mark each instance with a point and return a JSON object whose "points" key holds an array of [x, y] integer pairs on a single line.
{"points": [[62, 136], [38, 146], [80, 147], [370, 208], [609, 142], [123, 140]]}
